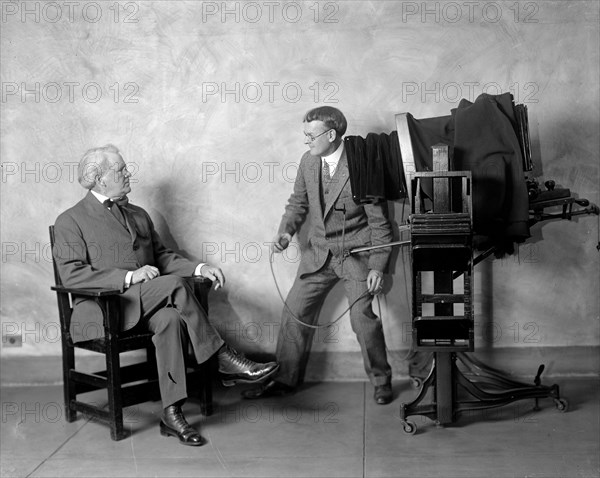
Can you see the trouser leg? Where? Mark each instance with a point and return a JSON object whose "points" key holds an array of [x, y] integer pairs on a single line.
{"points": [[175, 292], [177, 319], [369, 331], [294, 339], [170, 342]]}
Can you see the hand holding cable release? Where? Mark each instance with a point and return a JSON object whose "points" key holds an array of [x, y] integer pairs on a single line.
{"points": [[281, 242], [375, 282]]}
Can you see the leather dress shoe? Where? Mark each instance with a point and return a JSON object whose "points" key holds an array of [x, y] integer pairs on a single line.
{"points": [[174, 424], [268, 389], [235, 368], [383, 394]]}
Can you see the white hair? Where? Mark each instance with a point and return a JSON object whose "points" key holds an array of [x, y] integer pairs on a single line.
{"points": [[94, 164]]}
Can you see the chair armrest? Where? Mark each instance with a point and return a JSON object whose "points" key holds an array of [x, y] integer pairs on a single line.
{"points": [[202, 287], [86, 292], [199, 280], [202, 282]]}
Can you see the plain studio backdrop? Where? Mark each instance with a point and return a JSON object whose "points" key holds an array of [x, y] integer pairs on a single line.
{"points": [[205, 101]]}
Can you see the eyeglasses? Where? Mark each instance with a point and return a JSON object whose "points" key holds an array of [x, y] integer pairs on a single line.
{"points": [[311, 138]]}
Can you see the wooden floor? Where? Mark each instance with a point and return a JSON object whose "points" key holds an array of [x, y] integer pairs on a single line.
{"points": [[326, 429]]}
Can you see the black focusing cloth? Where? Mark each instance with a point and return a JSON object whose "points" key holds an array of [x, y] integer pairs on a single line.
{"points": [[482, 137]]}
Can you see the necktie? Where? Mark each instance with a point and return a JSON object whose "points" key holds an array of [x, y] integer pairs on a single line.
{"points": [[326, 172], [113, 206]]}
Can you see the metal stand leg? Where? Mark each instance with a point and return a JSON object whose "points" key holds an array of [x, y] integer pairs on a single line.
{"points": [[484, 387]]}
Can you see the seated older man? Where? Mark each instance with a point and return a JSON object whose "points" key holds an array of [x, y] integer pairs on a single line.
{"points": [[103, 241]]}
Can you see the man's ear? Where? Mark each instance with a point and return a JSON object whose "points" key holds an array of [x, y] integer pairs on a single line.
{"points": [[333, 137]]}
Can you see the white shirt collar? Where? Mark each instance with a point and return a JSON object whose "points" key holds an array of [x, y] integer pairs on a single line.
{"points": [[334, 158], [99, 197]]}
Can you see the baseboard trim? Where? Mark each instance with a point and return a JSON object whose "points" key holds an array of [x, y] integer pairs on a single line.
{"points": [[518, 362]]}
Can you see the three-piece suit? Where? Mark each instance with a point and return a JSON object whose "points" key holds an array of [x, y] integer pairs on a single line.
{"points": [[337, 225]]}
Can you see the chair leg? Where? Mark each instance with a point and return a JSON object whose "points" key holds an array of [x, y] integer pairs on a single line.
{"points": [[69, 392], [151, 363], [206, 396], [115, 403]]}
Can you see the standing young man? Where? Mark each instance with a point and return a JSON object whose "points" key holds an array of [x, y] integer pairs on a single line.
{"points": [[322, 192]]}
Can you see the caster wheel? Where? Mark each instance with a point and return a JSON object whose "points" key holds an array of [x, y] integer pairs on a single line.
{"points": [[409, 427], [416, 382], [562, 405]]}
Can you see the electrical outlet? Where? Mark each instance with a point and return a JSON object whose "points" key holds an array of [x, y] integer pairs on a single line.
{"points": [[12, 340]]}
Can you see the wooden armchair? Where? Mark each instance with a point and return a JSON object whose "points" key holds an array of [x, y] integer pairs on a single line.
{"points": [[125, 385]]}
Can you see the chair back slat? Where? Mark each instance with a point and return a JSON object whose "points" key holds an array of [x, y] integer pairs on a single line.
{"points": [[54, 266]]}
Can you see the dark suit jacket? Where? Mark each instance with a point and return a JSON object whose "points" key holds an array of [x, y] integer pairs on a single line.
{"points": [[365, 224], [94, 250]]}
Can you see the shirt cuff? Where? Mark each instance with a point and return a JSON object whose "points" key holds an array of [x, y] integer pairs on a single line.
{"points": [[128, 277], [198, 268]]}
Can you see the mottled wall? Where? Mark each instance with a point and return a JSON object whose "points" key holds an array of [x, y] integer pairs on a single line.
{"points": [[205, 100]]}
